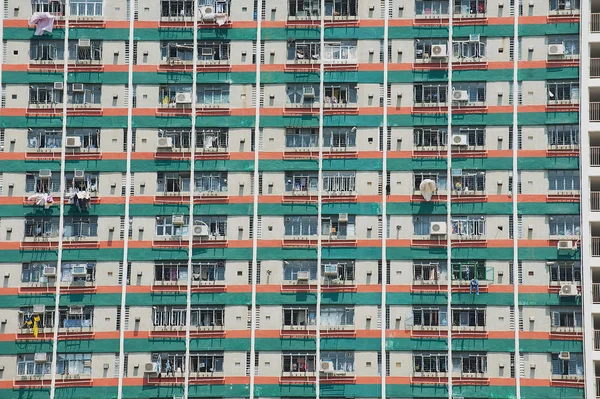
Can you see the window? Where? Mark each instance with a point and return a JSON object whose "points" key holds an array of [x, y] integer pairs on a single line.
{"points": [[86, 8], [206, 363], [334, 182], [566, 319], [570, 43], [336, 316], [44, 138], [212, 139], [563, 135], [88, 183], [298, 362], [302, 93], [342, 361], [217, 225], [469, 8], [337, 271], [563, 91], [207, 316], [431, 7], [468, 49], [208, 271], [471, 225], [26, 318], [47, 50], [468, 317], [167, 95], [342, 93], [45, 94], [301, 137], [438, 177], [341, 137], [74, 363], [303, 8], [301, 182], [475, 135], [179, 137], [332, 225], [180, 51], [430, 93], [78, 273], [93, 52], [469, 363], [172, 272], [429, 316], [564, 225], [469, 270], [564, 5], [211, 181], [172, 182], [429, 272], [70, 319], [34, 272], [291, 268], [422, 224], [298, 316], [340, 52], [36, 184], [565, 272], [90, 138], [53, 7], [563, 180], [168, 316], [165, 226], [220, 6], [423, 48], [177, 8], [572, 366], [213, 51], [303, 51], [170, 363], [430, 363], [213, 94], [80, 227], [300, 225], [41, 227], [26, 365], [466, 181], [430, 137], [341, 8], [89, 94], [475, 91]]}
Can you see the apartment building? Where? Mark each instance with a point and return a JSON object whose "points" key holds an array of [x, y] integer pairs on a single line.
{"points": [[296, 199]]}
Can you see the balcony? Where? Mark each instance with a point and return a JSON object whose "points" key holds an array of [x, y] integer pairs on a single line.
{"points": [[595, 23], [428, 331], [304, 241], [300, 197], [429, 377]]}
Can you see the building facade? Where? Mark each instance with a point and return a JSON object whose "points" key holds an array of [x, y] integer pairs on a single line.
{"points": [[297, 199]]}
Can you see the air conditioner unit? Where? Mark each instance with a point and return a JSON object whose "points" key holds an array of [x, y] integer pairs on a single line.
{"points": [[79, 271], [58, 85], [77, 87], [73, 142], [309, 92], [201, 230], [556, 49], [565, 245], [438, 51], [149, 368], [207, 51], [568, 290], [75, 309], [343, 217], [183, 98], [40, 357], [437, 228], [45, 174], [460, 95], [49, 271], [303, 277], [208, 13], [460, 139], [474, 38], [165, 142], [327, 367], [330, 270], [84, 43], [79, 174], [39, 308], [564, 355], [178, 220]]}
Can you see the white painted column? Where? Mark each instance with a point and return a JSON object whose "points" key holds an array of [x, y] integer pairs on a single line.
{"points": [[449, 97]]}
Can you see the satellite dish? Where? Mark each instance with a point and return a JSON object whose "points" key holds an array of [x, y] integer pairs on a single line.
{"points": [[427, 188]]}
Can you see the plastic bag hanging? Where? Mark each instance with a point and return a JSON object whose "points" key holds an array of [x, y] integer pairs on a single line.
{"points": [[427, 188]]}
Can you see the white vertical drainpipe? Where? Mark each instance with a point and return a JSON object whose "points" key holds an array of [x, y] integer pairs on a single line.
{"points": [[449, 97]]}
